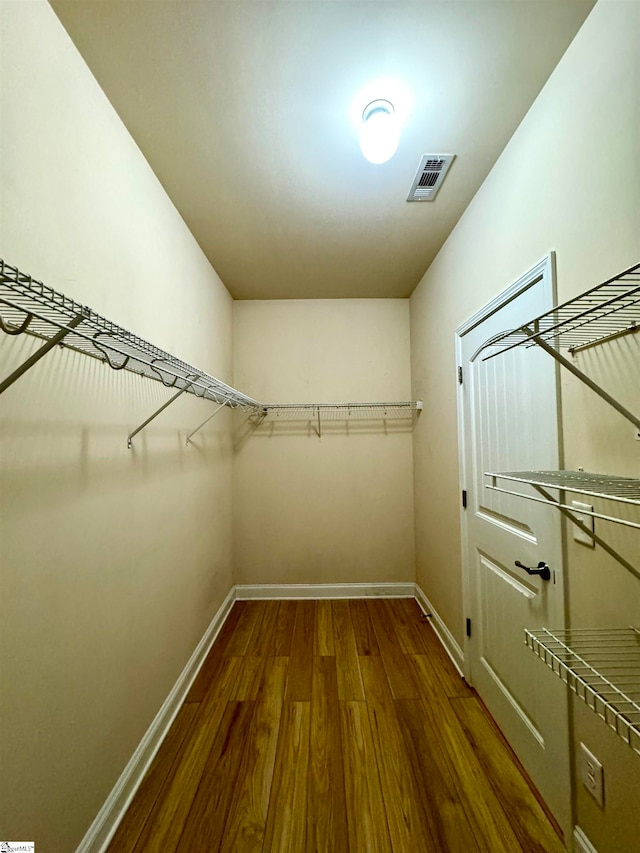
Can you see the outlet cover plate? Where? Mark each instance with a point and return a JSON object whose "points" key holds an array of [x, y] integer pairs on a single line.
{"points": [[587, 520], [591, 774]]}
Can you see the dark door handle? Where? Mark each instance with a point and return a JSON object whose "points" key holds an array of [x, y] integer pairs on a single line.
{"points": [[543, 570]]}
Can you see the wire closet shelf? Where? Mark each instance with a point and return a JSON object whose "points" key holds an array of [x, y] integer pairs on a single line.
{"points": [[27, 305], [31, 307], [602, 667], [621, 489], [341, 411], [317, 416], [605, 312]]}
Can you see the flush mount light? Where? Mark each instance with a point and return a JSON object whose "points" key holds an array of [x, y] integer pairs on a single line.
{"points": [[379, 131]]}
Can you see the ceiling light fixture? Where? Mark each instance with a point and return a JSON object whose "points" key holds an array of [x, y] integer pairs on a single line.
{"points": [[379, 131]]}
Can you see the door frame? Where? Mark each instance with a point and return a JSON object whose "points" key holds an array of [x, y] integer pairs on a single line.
{"points": [[545, 271]]}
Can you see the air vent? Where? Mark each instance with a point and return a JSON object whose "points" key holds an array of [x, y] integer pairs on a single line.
{"points": [[429, 177]]}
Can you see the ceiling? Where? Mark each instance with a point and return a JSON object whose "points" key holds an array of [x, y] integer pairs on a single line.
{"points": [[247, 111]]}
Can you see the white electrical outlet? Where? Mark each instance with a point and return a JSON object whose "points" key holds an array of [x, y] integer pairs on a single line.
{"points": [[592, 774], [587, 520]]}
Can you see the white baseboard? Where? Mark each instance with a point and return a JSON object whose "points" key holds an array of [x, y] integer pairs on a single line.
{"points": [[106, 822], [442, 632], [325, 590], [581, 843]]}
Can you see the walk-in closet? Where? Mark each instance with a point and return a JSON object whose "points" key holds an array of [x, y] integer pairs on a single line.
{"points": [[320, 426]]}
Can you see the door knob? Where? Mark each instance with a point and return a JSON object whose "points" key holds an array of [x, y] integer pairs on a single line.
{"points": [[543, 570]]}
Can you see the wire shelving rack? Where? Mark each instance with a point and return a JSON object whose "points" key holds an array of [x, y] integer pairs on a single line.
{"points": [[602, 667], [606, 311], [340, 411], [317, 414], [31, 307], [620, 489], [28, 305]]}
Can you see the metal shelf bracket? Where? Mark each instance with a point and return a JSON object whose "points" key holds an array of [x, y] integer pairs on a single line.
{"points": [[161, 409], [205, 422], [44, 349]]}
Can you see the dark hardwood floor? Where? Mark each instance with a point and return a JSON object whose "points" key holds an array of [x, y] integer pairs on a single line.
{"points": [[333, 726]]}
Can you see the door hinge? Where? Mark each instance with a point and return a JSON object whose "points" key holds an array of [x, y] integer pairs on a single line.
{"points": [[468, 627], [460, 375], [464, 499]]}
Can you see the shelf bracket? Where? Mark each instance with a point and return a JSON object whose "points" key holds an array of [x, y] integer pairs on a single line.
{"points": [[207, 421], [583, 377], [33, 359], [161, 409]]}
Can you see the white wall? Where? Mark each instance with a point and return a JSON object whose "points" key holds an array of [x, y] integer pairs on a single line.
{"points": [[113, 561], [569, 181], [331, 510]]}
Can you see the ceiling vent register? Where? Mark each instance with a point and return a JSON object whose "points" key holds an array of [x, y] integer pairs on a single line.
{"points": [[429, 177]]}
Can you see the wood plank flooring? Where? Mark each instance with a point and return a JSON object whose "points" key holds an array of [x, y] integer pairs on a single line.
{"points": [[336, 727]]}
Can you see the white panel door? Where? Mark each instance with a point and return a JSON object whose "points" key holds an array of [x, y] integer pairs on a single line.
{"points": [[510, 422]]}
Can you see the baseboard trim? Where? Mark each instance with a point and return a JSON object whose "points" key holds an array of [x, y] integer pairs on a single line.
{"points": [[106, 821], [581, 843], [442, 632], [325, 590]]}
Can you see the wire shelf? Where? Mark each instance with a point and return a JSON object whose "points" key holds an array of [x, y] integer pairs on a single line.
{"points": [[343, 411], [602, 667], [606, 311], [332, 416], [621, 489], [27, 305]]}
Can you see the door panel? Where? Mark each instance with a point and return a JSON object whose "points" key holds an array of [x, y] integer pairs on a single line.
{"points": [[501, 650], [510, 416]]}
